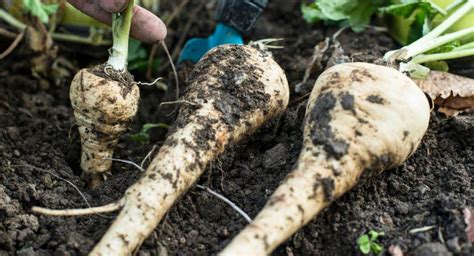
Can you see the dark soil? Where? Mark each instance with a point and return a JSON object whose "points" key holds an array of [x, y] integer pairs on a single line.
{"points": [[39, 150]]}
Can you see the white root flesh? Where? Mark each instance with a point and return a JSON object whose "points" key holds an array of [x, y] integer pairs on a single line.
{"points": [[78, 212], [361, 119], [233, 90], [103, 108]]}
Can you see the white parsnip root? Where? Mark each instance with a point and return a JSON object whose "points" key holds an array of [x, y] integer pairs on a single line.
{"points": [[361, 119], [103, 108], [233, 91]]}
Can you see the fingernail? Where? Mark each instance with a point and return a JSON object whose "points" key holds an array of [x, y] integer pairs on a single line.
{"points": [[113, 5]]}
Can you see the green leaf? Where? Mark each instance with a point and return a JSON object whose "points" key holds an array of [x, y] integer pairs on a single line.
{"points": [[142, 65], [405, 10], [311, 13], [446, 48], [417, 27], [138, 56], [364, 239], [355, 13], [419, 12], [360, 17], [143, 137], [365, 248], [337, 9], [376, 248], [50, 8], [437, 65], [135, 50], [374, 235], [40, 10]]}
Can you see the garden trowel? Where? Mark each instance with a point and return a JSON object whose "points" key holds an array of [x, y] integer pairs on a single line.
{"points": [[235, 18]]}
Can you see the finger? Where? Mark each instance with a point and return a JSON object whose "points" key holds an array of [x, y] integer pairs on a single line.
{"points": [[146, 26], [113, 5]]}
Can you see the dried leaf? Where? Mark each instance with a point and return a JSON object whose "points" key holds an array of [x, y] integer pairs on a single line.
{"points": [[469, 219], [454, 94]]}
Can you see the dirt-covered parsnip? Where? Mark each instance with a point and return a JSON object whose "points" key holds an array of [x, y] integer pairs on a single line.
{"points": [[361, 119], [105, 100], [233, 91]]}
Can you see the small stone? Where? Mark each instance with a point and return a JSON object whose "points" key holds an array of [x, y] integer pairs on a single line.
{"points": [[386, 220], [6, 241], [194, 233], [16, 153], [275, 156], [22, 234], [13, 133], [430, 249], [43, 85], [47, 181], [403, 189], [402, 208], [239, 78], [144, 253], [41, 240], [453, 245], [422, 189], [26, 252]]}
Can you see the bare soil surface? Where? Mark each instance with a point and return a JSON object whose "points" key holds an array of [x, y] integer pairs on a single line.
{"points": [[40, 151]]}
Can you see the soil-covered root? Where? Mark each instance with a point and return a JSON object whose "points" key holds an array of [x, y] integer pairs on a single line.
{"points": [[104, 104], [361, 119], [233, 90]]}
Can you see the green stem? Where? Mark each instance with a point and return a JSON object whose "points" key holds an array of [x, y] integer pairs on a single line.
{"points": [[454, 4], [8, 18], [79, 39], [20, 26], [423, 58], [121, 23], [438, 8], [433, 39], [439, 41], [464, 46], [446, 24]]}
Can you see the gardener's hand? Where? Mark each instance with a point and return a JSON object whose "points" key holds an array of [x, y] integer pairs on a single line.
{"points": [[145, 25]]}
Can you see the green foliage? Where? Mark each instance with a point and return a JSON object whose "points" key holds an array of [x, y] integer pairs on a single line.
{"points": [[442, 65], [40, 10], [358, 13], [451, 46], [368, 242], [138, 56], [437, 65], [353, 13], [422, 12], [143, 137]]}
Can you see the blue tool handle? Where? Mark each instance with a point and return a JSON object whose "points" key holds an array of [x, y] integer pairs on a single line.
{"points": [[240, 14]]}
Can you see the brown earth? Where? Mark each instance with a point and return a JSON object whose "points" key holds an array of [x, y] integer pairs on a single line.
{"points": [[40, 150]]}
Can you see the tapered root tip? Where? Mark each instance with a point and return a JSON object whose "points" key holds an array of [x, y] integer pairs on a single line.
{"points": [[96, 152], [103, 108], [80, 212]]}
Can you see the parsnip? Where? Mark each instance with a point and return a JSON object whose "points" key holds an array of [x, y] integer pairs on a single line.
{"points": [[361, 119], [103, 108], [233, 91], [105, 100]]}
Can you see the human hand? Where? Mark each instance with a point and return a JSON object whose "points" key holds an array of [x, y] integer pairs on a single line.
{"points": [[146, 26]]}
